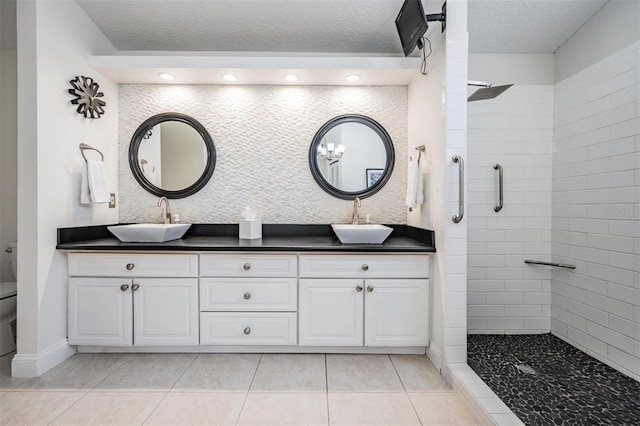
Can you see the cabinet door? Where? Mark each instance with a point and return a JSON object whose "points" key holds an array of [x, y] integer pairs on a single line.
{"points": [[100, 311], [165, 311], [330, 312], [396, 312]]}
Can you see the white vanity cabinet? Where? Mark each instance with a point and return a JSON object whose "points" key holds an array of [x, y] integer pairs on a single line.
{"points": [[364, 299], [248, 299], [132, 299]]}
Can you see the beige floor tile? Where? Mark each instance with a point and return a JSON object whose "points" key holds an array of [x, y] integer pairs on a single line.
{"points": [[418, 374], [371, 409], [284, 409], [147, 372], [81, 372], [34, 408], [198, 409], [291, 373], [362, 373], [111, 408], [441, 408], [6, 381], [219, 372]]}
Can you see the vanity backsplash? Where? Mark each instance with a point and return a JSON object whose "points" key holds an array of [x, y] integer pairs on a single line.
{"points": [[262, 136]]}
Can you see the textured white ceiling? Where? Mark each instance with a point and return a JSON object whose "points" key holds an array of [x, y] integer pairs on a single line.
{"points": [[333, 26], [526, 26], [327, 26]]}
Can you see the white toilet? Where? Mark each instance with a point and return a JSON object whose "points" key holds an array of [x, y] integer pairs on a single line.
{"points": [[8, 298]]}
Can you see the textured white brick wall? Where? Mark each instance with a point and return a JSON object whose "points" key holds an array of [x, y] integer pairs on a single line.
{"points": [[596, 210], [514, 130], [262, 136]]}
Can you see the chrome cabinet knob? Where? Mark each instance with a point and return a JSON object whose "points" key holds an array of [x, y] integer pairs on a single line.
{"points": [[365, 267], [369, 288], [8, 250], [124, 287], [130, 266], [247, 330], [247, 296], [135, 287], [358, 288], [246, 266]]}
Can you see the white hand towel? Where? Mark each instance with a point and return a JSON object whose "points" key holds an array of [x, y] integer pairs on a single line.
{"points": [[97, 182], [414, 185], [85, 198]]}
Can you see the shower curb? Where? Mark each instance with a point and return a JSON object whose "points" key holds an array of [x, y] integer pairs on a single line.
{"points": [[484, 404]]}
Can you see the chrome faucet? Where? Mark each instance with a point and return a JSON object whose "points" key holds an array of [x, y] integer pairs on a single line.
{"points": [[166, 212], [356, 214]]}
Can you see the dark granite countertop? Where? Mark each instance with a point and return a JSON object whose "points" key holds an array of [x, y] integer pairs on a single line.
{"points": [[224, 237]]}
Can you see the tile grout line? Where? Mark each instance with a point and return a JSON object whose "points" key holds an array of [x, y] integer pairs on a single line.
{"points": [[167, 393], [89, 391], [255, 373], [405, 389]]}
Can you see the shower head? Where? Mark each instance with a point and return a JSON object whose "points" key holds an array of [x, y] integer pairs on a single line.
{"points": [[486, 92]]}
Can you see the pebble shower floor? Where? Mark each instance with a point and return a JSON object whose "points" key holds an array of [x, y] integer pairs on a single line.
{"points": [[546, 381]]}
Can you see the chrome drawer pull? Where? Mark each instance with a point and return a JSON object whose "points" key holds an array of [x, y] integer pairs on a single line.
{"points": [[358, 288], [135, 287], [124, 287], [365, 267], [246, 266], [130, 266], [247, 330], [247, 296], [370, 288]]}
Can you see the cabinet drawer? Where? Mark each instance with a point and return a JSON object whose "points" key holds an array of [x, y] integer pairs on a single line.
{"points": [[248, 265], [248, 294], [133, 265], [364, 266], [242, 328]]}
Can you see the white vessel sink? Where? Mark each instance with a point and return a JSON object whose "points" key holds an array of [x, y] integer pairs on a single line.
{"points": [[361, 234], [149, 232]]}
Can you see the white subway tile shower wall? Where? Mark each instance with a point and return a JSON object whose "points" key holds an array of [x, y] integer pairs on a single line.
{"points": [[596, 210], [262, 136], [514, 130]]}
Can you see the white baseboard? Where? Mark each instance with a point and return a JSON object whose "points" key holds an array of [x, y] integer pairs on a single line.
{"points": [[434, 354], [34, 365]]}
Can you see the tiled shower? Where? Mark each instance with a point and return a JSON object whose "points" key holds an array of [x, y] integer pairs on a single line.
{"points": [[571, 157]]}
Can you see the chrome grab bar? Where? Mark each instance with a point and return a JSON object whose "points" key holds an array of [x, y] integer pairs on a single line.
{"points": [[457, 218], [498, 167], [559, 265]]}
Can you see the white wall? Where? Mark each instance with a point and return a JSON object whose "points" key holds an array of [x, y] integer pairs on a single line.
{"points": [[613, 28], [596, 209], [514, 130], [437, 111], [8, 158], [54, 38], [262, 136]]}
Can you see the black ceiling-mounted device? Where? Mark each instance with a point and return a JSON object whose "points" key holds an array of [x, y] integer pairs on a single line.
{"points": [[412, 23]]}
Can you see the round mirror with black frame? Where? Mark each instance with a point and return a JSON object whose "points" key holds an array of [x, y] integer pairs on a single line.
{"points": [[351, 156], [172, 155]]}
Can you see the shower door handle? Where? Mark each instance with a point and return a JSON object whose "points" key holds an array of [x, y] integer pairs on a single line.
{"points": [[457, 218], [498, 167]]}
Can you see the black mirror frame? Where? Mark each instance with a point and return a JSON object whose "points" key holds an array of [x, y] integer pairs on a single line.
{"points": [[134, 147], [351, 118]]}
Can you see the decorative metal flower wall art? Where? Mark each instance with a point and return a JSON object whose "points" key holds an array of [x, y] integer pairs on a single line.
{"points": [[87, 97]]}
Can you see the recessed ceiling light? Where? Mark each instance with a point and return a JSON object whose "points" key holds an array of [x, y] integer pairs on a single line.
{"points": [[229, 77], [291, 77], [352, 77], [166, 76]]}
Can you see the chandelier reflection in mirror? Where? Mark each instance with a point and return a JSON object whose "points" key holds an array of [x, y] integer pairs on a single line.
{"points": [[328, 150]]}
